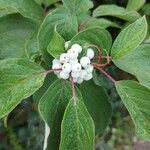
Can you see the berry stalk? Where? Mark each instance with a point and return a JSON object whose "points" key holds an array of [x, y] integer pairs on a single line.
{"points": [[106, 74]]}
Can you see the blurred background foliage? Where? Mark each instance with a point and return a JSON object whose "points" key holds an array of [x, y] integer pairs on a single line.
{"points": [[25, 128]]}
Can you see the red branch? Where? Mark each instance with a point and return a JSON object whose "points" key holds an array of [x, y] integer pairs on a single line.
{"points": [[52, 70], [105, 73]]}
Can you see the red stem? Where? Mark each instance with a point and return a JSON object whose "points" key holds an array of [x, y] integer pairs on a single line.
{"points": [[105, 73], [52, 70], [73, 89]]}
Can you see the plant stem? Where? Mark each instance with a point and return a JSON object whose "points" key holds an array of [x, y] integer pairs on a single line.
{"points": [[84, 23], [73, 89], [105, 73], [52, 70]]}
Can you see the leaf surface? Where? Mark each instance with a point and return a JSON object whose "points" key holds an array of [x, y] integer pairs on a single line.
{"points": [[19, 79], [136, 98]]}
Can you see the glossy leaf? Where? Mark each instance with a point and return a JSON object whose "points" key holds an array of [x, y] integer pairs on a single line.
{"points": [[14, 33], [66, 26], [98, 105], [135, 4], [129, 39], [52, 106], [77, 128], [96, 36], [78, 6], [27, 8], [137, 63], [136, 99], [116, 11], [19, 79], [57, 45]]}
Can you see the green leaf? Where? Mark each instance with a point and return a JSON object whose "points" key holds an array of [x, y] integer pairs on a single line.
{"points": [[32, 47], [136, 99], [129, 39], [50, 78], [19, 79], [46, 2], [135, 4], [97, 36], [78, 6], [98, 105], [116, 11], [77, 128], [27, 8], [14, 32], [66, 23], [100, 22], [6, 11], [56, 45], [137, 63], [52, 106], [146, 9]]}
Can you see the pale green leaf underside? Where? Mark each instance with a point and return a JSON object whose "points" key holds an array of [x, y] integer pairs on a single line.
{"points": [[129, 39], [66, 26], [56, 46], [14, 33], [78, 6], [96, 36], [116, 11], [137, 62], [136, 98], [96, 101], [27, 8], [19, 79], [135, 4], [77, 128], [52, 106]]}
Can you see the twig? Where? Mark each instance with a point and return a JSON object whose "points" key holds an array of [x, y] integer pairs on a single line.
{"points": [[105, 73], [52, 70], [84, 23]]}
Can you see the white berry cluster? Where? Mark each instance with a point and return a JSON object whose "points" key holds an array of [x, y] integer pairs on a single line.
{"points": [[72, 67]]}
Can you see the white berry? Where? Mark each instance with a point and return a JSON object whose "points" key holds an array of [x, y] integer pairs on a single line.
{"points": [[76, 47], [57, 66], [90, 53], [72, 54], [66, 68], [80, 80], [72, 61], [56, 61], [64, 58], [75, 74], [89, 69], [67, 45], [64, 75], [85, 61], [88, 77], [58, 76], [76, 67], [75, 80], [83, 74]]}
